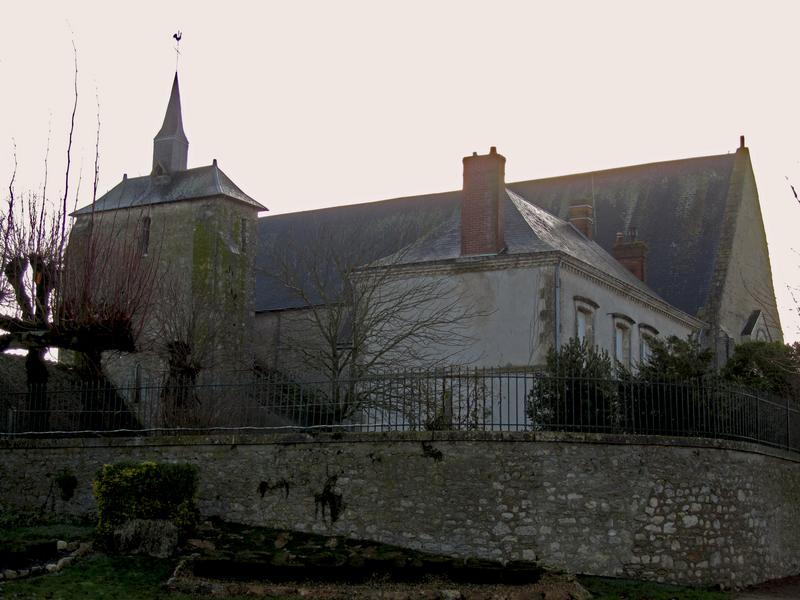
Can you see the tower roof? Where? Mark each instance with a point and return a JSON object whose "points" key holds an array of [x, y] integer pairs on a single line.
{"points": [[170, 146], [190, 184]]}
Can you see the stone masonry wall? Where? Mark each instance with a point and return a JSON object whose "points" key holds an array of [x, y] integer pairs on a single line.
{"points": [[678, 510]]}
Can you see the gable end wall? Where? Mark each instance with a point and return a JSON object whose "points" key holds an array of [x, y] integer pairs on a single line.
{"points": [[743, 277]]}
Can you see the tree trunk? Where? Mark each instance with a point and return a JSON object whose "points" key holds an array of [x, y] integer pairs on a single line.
{"points": [[93, 391], [38, 398]]}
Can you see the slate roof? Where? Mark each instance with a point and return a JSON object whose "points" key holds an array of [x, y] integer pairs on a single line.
{"points": [[369, 231], [676, 206], [200, 182], [172, 127], [528, 229]]}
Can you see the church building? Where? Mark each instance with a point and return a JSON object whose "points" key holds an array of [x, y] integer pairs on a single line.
{"points": [[615, 257]]}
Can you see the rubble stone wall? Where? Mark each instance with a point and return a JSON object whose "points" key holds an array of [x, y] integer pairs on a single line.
{"points": [[676, 510]]}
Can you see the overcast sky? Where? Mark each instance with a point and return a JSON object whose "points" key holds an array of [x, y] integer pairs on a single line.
{"points": [[311, 104]]}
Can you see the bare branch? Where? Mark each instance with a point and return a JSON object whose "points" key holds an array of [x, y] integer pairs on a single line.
{"points": [[358, 316], [63, 234]]}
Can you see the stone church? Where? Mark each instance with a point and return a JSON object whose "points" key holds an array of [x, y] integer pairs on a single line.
{"points": [[616, 257]]}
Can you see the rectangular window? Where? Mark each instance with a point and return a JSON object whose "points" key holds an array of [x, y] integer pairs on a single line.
{"points": [[622, 344], [645, 348], [584, 323], [647, 336]]}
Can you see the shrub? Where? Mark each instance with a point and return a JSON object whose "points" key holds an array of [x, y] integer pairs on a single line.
{"points": [[576, 391], [127, 491], [674, 359], [765, 366]]}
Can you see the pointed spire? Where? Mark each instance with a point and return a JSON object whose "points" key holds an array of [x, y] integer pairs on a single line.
{"points": [[170, 146]]}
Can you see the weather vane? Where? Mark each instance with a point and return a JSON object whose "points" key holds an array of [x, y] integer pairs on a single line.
{"points": [[177, 37]]}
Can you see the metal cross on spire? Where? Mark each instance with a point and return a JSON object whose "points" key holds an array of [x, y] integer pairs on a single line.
{"points": [[177, 37]]}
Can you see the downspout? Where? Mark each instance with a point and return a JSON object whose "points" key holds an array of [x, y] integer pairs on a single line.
{"points": [[557, 299]]}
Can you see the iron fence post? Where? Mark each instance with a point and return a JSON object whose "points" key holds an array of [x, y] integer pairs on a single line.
{"points": [[788, 427], [758, 418]]}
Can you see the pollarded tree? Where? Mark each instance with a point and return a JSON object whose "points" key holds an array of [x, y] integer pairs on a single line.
{"points": [[88, 300]]}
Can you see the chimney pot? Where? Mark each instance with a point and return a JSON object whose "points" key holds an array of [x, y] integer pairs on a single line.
{"points": [[741, 141], [493, 150]]}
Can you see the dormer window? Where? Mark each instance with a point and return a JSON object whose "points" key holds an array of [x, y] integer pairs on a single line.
{"points": [[755, 329]]}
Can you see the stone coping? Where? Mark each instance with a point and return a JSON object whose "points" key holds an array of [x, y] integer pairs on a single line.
{"points": [[249, 438]]}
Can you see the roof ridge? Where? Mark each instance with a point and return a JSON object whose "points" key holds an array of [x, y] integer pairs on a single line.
{"points": [[510, 183], [624, 168], [367, 203]]}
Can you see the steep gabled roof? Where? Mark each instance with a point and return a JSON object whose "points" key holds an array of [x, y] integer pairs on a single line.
{"points": [[676, 206], [191, 184]]}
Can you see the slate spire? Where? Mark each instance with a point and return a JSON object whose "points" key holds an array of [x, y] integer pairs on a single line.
{"points": [[170, 146]]}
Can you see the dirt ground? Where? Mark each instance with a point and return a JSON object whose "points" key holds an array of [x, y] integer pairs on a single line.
{"points": [[787, 588]]}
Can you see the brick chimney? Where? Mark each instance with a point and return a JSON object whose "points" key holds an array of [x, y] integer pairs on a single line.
{"points": [[482, 204], [630, 253], [581, 215]]}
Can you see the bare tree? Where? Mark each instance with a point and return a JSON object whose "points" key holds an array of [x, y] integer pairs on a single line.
{"points": [[364, 310], [87, 297], [183, 333]]}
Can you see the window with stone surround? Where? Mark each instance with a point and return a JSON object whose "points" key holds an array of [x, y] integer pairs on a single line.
{"points": [[622, 338], [646, 336], [584, 319]]}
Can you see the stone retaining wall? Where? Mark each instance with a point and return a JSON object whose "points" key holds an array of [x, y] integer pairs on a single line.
{"points": [[677, 510]]}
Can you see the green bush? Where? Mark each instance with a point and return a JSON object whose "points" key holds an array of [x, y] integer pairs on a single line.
{"points": [[765, 366], [576, 391], [127, 491], [674, 359]]}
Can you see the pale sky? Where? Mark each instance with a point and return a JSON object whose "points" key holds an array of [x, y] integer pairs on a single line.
{"points": [[311, 104]]}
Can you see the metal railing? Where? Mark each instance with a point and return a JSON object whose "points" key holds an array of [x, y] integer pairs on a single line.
{"points": [[449, 399]]}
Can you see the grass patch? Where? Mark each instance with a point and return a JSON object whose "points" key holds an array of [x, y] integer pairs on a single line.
{"points": [[98, 576], [604, 588], [101, 577], [18, 536]]}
